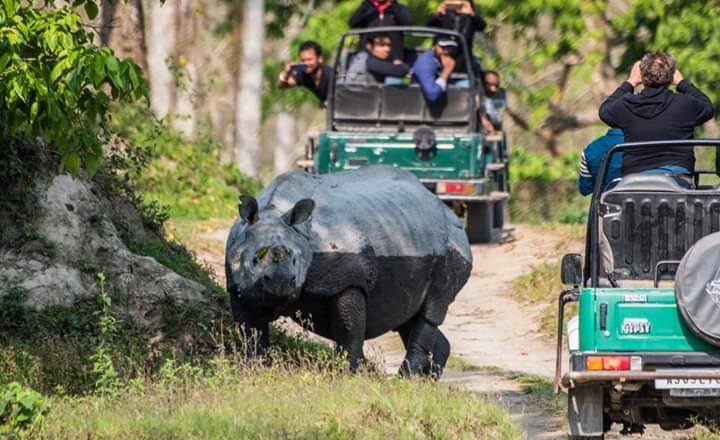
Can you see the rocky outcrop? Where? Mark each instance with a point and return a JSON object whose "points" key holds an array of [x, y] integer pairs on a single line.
{"points": [[79, 232]]}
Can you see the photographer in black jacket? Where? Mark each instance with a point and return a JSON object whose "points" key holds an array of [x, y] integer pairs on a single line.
{"points": [[460, 16], [310, 73], [656, 113], [375, 13]]}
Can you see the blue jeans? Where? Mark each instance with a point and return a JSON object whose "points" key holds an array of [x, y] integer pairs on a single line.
{"points": [[681, 175]]}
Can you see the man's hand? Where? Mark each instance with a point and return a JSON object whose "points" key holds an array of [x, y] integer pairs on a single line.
{"points": [[635, 77], [285, 79], [397, 62], [448, 64], [466, 9], [677, 77]]}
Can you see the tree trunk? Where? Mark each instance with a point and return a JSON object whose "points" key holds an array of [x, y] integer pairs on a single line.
{"points": [[248, 106], [106, 24], [185, 31], [160, 45], [284, 143]]}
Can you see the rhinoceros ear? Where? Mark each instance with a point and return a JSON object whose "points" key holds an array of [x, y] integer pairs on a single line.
{"points": [[300, 213], [248, 209]]}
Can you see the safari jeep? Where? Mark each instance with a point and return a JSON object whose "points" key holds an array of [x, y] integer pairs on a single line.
{"points": [[645, 347], [441, 143]]}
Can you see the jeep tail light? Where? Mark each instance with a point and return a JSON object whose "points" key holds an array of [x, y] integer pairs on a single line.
{"points": [[608, 363], [456, 188]]}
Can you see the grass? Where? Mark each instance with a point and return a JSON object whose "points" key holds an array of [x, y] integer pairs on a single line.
{"points": [[542, 285], [541, 389], [276, 403], [457, 363]]}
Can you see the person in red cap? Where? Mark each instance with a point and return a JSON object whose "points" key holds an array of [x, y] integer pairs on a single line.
{"points": [[375, 13]]}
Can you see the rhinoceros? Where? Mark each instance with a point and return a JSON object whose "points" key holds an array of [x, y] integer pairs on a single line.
{"points": [[360, 253]]}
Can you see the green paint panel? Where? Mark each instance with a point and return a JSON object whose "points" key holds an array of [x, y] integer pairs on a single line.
{"points": [[458, 156], [628, 308]]}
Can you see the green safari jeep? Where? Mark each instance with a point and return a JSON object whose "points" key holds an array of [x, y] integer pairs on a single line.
{"points": [[645, 346], [391, 123]]}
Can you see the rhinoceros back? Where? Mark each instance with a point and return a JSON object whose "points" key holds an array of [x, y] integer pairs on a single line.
{"points": [[381, 208]]}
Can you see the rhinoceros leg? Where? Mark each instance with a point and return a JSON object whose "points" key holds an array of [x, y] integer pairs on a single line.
{"points": [[427, 349], [256, 333], [348, 325]]}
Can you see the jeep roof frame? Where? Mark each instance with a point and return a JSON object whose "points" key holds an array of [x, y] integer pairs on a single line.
{"points": [[421, 30], [592, 254]]}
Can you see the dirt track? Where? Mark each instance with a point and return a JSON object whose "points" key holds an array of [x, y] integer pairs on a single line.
{"points": [[488, 328]]}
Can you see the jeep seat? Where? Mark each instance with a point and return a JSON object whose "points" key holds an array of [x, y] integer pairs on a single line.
{"points": [[648, 219]]}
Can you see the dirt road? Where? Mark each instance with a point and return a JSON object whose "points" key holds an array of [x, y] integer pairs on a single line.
{"points": [[488, 328]]}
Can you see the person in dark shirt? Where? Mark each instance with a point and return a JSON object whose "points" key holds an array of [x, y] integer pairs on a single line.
{"points": [[656, 113], [494, 102], [310, 73], [373, 65], [375, 13], [460, 16]]}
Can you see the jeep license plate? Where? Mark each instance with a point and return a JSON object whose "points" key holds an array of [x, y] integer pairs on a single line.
{"points": [[687, 384]]}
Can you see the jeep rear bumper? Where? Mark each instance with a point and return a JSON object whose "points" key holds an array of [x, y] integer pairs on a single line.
{"points": [[655, 365]]}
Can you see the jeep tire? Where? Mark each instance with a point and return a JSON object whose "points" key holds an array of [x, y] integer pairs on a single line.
{"points": [[479, 222]]}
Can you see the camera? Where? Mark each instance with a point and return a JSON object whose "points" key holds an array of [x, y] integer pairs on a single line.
{"points": [[453, 7], [298, 69]]}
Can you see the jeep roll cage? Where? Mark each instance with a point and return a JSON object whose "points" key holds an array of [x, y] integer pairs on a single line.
{"points": [[374, 106], [592, 246]]}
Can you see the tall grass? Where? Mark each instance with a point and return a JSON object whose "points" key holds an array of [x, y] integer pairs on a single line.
{"points": [[274, 403]]}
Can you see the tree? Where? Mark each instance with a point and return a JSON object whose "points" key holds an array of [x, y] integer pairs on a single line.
{"points": [[53, 80], [248, 107]]}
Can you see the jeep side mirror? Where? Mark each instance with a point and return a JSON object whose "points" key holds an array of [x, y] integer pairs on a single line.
{"points": [[571, 270]]}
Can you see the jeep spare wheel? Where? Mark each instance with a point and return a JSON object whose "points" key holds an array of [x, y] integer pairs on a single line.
{"points": [[697, 288]]}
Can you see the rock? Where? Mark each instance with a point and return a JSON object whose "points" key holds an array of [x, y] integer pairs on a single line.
{"points": [[77, 226]]}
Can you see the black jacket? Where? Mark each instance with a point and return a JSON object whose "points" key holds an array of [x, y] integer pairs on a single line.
{"points": [[465, 24], [366, 16], [656, 114]]}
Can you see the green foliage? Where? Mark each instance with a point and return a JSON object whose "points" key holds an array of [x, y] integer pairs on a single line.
{"points": [[20, 164], [265, 403], [545, 189], [53, 80], [186, 176], [687, 29], [22, 410], [106, 377]]}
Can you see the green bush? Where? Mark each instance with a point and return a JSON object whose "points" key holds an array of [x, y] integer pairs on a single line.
{"points": [[545, 189], [21, 410], [53, 79], [186, 176]]}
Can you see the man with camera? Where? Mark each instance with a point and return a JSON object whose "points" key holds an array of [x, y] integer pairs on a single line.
{"points": [[310, 73], [460, 16], [433, 68]]}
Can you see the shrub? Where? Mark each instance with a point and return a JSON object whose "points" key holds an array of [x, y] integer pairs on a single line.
{"points": [[545, 189], [21, 409]]}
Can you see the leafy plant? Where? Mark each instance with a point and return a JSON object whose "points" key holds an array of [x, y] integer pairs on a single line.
{"points": [[161, 165], [107, 380], [55, 83], [21, 409]]}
